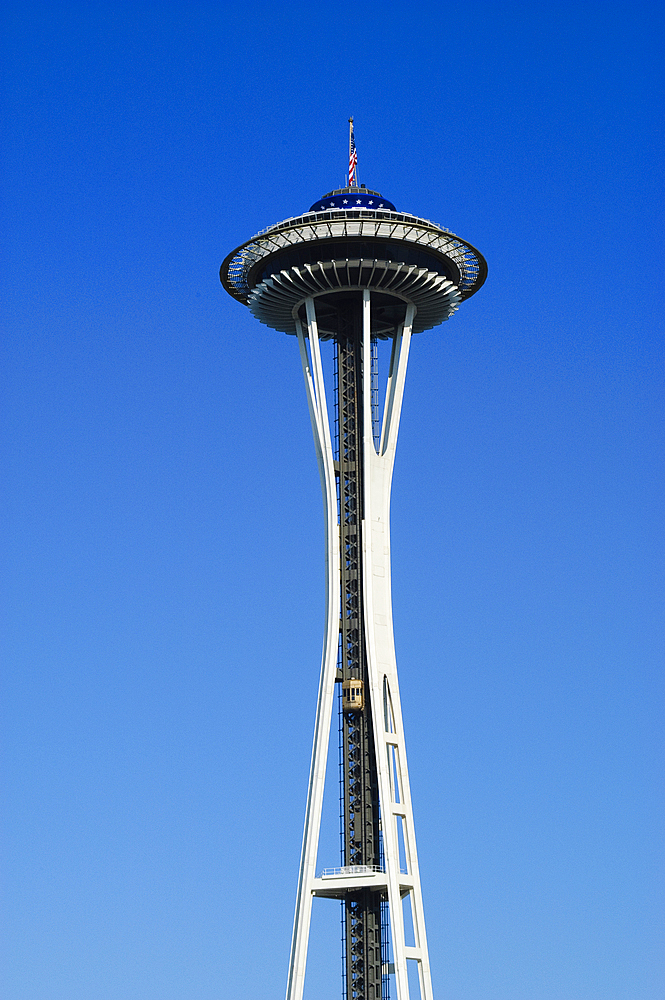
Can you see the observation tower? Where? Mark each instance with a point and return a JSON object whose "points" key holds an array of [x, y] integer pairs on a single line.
{"points": [[353, 270]]}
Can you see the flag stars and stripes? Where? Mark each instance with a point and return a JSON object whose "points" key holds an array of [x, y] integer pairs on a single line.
{"points": [[353, 157]]}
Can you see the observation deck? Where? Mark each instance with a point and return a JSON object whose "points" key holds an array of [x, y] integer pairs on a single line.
{"points": [[353, 238]]}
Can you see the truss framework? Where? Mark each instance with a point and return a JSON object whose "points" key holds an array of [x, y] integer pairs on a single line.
{"points": [[360, 800], [380, 869], [277, 300]]}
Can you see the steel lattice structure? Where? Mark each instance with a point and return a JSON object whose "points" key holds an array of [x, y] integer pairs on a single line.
{"points": [[354, 270]]}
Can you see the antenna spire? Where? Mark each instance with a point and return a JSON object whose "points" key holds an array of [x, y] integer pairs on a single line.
{"points": [[353, 158]]}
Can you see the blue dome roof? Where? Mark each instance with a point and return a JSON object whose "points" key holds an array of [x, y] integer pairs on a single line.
{"points": [[349, 198]]}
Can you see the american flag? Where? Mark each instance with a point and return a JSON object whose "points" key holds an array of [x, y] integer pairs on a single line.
{"points": [[353, 157]]}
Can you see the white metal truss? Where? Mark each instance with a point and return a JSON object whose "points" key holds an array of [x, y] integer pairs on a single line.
{"points": [[400, 878], [275, 300]]}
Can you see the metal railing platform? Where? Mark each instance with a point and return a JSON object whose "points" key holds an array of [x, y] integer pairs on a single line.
{"points": [[351, 870]]}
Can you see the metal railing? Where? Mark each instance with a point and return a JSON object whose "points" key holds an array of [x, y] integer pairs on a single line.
{"points": [[351, 870]]}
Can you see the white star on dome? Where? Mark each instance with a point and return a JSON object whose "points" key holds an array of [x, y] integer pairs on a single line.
{"points": [[370, 202], [358, 201], [381, 205], [345, 201]]}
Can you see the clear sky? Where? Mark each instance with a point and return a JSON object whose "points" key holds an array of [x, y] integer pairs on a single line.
{"points": [[163, 584]]}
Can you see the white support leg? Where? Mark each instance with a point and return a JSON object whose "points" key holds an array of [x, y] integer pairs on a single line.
{"points": [[313, 372], [394, 791]]}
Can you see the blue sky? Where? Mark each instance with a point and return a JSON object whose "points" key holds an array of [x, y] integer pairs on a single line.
{"points": [[163, 590]]}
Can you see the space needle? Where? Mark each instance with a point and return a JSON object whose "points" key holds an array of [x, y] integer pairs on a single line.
{"points": [[353, 270]]}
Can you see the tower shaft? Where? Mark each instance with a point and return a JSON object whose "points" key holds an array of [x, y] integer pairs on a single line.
{"points": [[380, 861]]}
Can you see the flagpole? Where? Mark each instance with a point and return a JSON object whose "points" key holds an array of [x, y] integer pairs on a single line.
{"points": [[353, 158]]}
